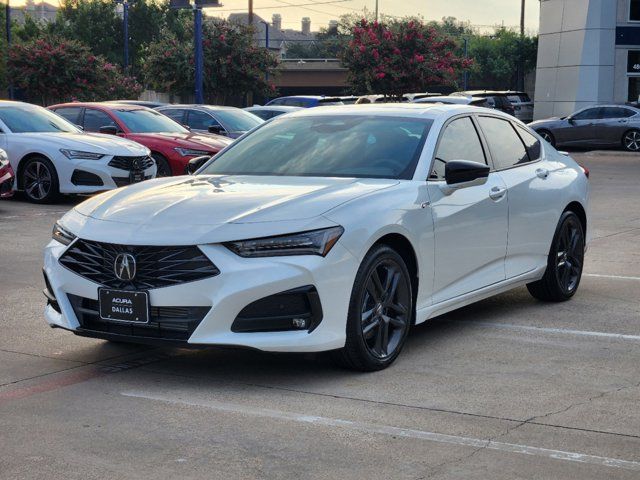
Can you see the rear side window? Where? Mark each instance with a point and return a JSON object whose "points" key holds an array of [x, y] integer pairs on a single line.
{"points": [[507, 150], [617, 112], [459, 141], [588, 114], [531, 143], [70, 113]]}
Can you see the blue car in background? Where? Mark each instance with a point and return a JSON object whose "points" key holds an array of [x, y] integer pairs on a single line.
{"points": [[306, 101]]}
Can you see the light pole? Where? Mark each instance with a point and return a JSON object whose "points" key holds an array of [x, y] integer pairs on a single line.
{"points": [[521, 59], [8, 26], [197, 7], [376, 10], [125, 28], [466, 70]]}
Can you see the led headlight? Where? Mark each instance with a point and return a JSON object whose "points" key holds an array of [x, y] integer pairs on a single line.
{"points": [[61, 235], [190, 152], [80, 155], [315, 242]]}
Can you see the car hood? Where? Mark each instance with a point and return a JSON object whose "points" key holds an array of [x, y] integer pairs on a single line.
{"points": [[188, 208], [88, 142], [186, 140]]}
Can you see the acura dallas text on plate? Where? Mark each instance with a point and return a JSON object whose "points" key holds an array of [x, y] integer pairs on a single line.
{"points": [[329, 229]]}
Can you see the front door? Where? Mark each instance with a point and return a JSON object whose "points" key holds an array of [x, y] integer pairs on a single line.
{"points": [[470, 224]]}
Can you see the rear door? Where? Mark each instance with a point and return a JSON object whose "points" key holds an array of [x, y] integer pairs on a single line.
{"points": [[580, 128], [613, 124], [470, 224], [516, 156]]}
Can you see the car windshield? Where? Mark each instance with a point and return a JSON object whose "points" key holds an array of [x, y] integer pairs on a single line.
{"points": [[144, 120], [238, 120], [328, 146], [30, 118]]}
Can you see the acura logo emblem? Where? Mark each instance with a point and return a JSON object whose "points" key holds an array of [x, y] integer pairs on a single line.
{"points": [[137, 164], [125, 267]]}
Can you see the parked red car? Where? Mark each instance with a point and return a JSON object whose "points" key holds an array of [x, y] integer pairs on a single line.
{"points": [[6, 176], [171, 145]]}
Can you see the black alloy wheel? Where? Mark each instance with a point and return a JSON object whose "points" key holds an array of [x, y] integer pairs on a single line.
{"points": [[548, 137], [40, 180], [380, 312], [565, 262], [162, 165]]}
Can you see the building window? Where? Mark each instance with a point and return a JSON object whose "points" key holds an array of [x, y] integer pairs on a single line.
{"points": [[634, 89], [634, 10]]}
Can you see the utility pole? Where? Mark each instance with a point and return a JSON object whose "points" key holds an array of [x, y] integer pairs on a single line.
{"points": [[466, 70], [521, 62], [376, 10], [250, 12], [125, 20]]}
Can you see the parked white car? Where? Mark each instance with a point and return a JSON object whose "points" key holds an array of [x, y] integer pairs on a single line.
{"points": [[50, 155], [355, 223]]}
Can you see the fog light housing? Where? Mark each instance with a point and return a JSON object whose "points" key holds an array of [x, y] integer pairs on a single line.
{"points": [[293, 310]]}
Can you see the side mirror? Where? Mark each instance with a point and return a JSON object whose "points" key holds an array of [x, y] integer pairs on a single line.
{"points": [[195, 163], [109, 130], [464, 173], [571, 120], [217, 129]]}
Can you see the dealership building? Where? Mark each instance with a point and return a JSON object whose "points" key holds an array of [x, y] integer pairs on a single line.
{"points": [[588, 53]]}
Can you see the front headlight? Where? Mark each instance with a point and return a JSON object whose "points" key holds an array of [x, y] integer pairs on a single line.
{"points": [[315, 242], [61, 235], [190, 152], [80, 155]]}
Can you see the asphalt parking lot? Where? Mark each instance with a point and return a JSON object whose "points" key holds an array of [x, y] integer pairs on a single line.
{"points": [[509, 388]]}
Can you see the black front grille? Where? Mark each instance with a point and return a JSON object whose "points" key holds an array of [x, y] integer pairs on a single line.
{"points": [[131, 163], [168, 323], [156, 267]]}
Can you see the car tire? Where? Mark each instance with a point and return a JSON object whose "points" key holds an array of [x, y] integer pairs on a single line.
{"points": [[564, 264], [548, 136], [162, 165], [380, 312], [39, 180], [631, 140]]}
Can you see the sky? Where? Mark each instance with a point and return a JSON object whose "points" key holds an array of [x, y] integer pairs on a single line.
{"points": [[484, 13]]}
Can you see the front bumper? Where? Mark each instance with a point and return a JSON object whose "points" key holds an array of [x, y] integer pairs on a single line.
{"points": [[241, 282], [91, 176]]}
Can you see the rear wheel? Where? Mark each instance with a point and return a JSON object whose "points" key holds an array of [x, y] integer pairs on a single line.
{"points": [[380, 312], [548, 136], [40, 180], [163, 168], [631, 141], [564, 265]]}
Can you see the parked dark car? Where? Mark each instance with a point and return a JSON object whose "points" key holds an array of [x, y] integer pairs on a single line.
{"points": [[231, 122], [497, 100], [266, 112], [306, 101], [597, 126]]}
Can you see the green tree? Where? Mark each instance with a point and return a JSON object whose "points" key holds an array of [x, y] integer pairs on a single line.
{"points": [[496, 58], [233, 65]]}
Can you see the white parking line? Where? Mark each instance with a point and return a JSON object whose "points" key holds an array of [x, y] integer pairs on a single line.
{"points": [[371, 428], [616, 277], [584, 333]]}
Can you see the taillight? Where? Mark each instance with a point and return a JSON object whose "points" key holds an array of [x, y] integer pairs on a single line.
{"points": [[585, 170]]}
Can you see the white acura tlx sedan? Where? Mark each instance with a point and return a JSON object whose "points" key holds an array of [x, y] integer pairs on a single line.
{"points": [[327, 229], [50, 155]]}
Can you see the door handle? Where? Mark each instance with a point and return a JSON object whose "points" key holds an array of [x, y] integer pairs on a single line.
{"points": [[497, 193], [623, 121], [542, 172]]}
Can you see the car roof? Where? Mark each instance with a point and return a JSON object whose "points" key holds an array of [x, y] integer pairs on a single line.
{"points": [[279, 108], [198, 106], [102, 105], [407, 110]]}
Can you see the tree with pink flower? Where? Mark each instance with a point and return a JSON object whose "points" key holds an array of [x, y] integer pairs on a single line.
{"points": [[400, 57]]}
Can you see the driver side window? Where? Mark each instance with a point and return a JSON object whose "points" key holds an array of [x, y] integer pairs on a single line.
{"points": [[588, 114], [459, 141]]}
